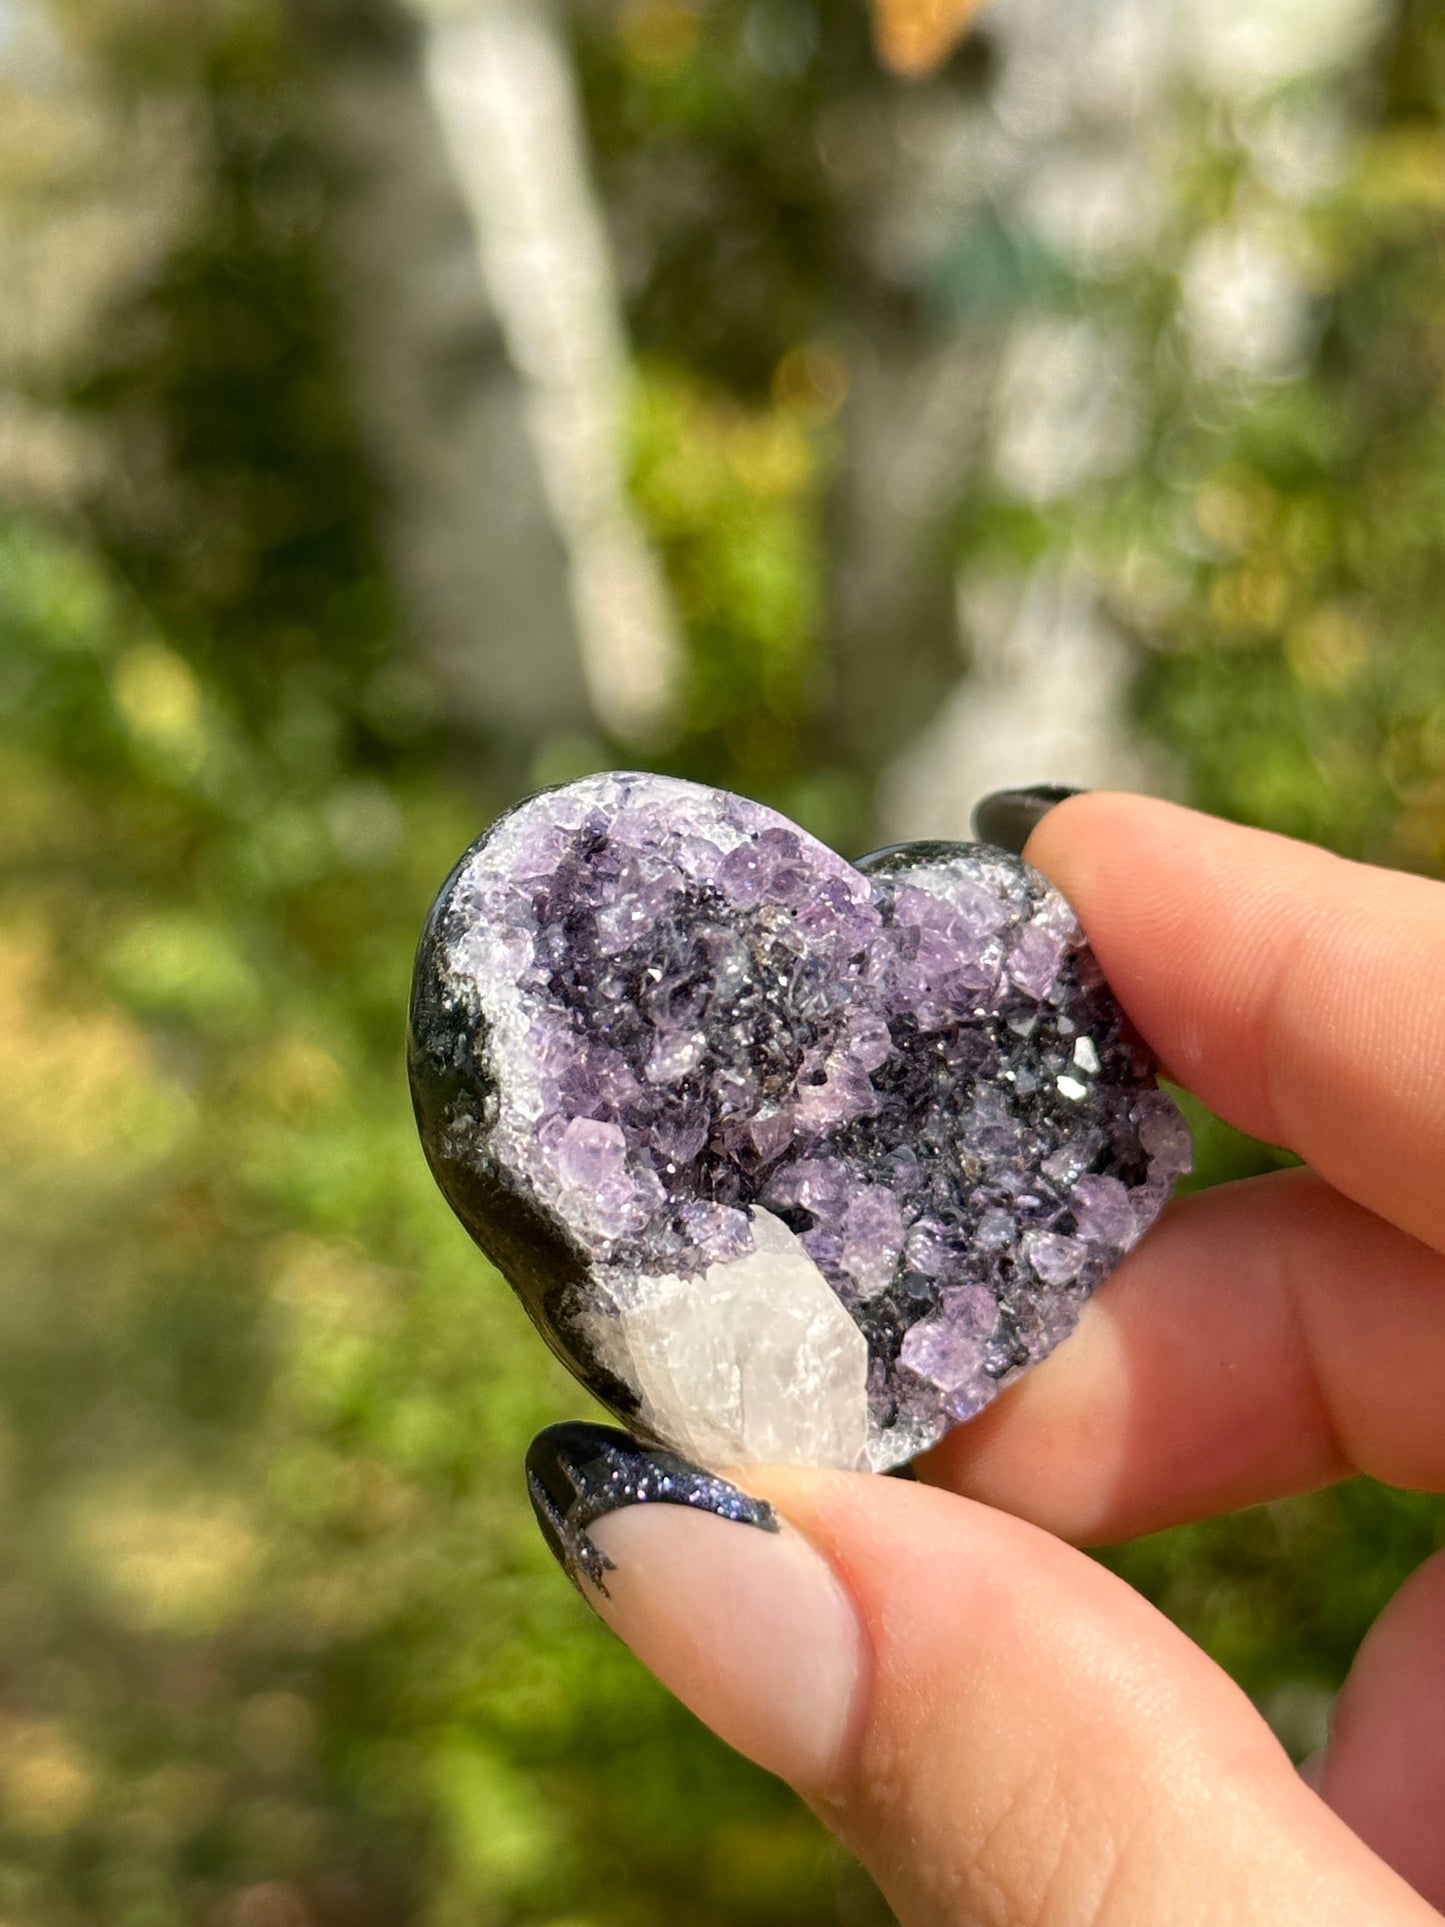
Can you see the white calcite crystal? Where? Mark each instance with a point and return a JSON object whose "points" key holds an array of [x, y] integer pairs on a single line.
{"points": [[756, 1361]]}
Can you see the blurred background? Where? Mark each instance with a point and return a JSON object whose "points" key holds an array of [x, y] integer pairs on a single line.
{"points": [[404, 404]]}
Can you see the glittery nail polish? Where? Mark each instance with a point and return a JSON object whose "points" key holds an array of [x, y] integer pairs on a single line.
{"points": [[1007, 818], [578, 1473]]}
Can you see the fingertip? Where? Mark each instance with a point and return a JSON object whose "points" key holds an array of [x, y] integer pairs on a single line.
{"points": [[1007, 818], [1289, 989], [1101, 836]]}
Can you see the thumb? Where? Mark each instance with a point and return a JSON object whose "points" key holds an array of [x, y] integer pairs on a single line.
{"points": [[1004, 1732]]}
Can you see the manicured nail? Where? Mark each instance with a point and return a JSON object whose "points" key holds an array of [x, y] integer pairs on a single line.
{"points": [[578, 1473], [1007, 818], [734, 1611]]}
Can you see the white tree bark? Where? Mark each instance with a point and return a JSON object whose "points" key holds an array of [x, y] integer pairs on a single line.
{"points": [[91, 196], [501, 79], [1078, 148], [442, 407], [481, 317]]}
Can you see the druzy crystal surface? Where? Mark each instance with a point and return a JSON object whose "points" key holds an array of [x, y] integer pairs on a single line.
{"points": [[789, 1159]]}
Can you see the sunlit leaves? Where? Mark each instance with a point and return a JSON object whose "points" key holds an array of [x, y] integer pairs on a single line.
{"points": [[915, 36], [733, 497]]}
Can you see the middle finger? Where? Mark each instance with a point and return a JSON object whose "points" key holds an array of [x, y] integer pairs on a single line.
{"points": [[1266, 1338]]}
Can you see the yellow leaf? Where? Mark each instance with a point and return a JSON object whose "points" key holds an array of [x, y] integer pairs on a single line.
{"points": [[915, 36]]}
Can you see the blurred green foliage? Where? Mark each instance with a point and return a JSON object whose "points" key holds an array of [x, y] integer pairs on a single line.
{"points": [[277, 1640], [732, 495], [272, 1606], [1275, 545]]}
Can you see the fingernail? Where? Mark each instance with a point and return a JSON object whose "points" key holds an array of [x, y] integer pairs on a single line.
{"points": [[1007, 818], [577, 1474], [732, 1610]]}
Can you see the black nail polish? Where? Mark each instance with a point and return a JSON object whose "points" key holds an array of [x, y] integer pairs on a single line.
{"points": [[578, 1473], [1007, 818]]}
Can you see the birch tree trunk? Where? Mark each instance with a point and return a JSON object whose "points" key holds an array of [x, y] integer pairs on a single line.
{"points": [[481, 319]]}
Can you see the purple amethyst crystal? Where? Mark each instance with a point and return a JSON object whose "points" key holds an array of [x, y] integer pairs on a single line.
{"points": [[788, 1159]]}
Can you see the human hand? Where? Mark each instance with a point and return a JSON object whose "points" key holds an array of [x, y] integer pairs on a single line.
{"points": [[1005, 1733]]}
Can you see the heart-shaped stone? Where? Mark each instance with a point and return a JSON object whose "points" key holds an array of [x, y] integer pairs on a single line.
{"points": [[788, 1159]]}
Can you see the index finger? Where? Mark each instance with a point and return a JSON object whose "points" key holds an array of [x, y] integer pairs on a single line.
{"points": [[1302, 997]]}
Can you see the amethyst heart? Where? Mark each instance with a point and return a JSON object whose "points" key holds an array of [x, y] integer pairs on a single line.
{"points": [[788, 1159]]}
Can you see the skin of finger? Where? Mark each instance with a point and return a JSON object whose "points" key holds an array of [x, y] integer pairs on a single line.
{"points": [[1299, 995], [1266, 1338], [1384, 1771], [1040, 1746]]}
